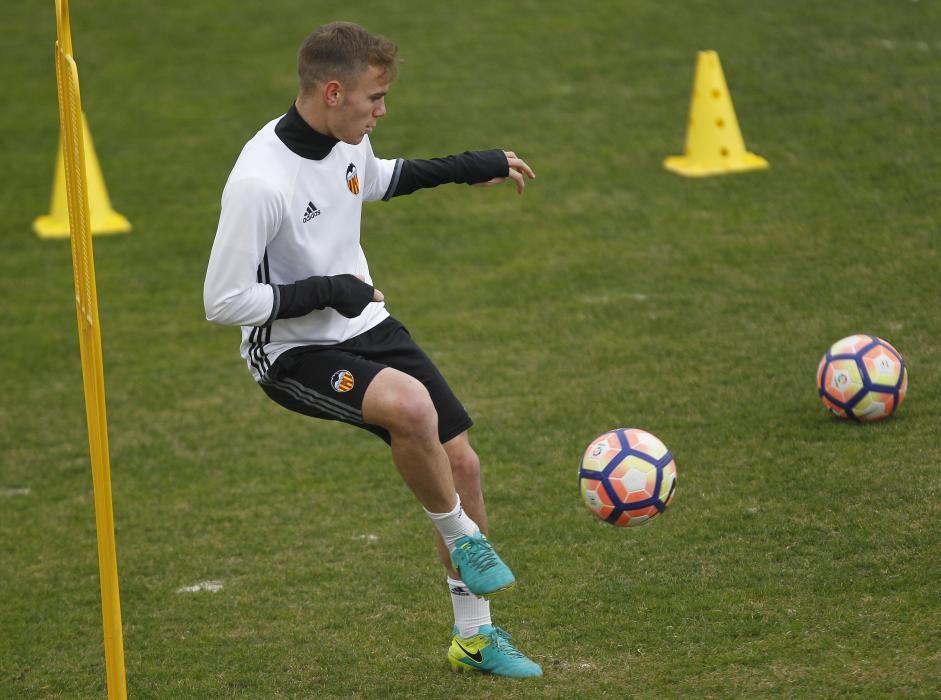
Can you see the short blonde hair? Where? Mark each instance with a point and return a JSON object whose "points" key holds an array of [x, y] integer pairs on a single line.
{"points": [[343, 51]]}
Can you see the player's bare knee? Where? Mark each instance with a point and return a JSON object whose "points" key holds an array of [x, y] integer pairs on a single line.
{"points": [[416, 414], [465, 465], [405, 409]]}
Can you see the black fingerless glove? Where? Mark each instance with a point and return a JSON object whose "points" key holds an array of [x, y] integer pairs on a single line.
{"points": [[348, 294]]}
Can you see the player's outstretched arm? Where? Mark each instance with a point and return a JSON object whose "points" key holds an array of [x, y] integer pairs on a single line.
{"points": [[489, 167], [519, 171]]}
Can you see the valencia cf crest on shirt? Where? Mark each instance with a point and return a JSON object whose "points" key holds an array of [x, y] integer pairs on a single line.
{"points": [[352, 180]]}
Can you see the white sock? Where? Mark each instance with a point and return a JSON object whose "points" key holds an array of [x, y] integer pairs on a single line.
{"points": [[470, 612], [454, 525]]}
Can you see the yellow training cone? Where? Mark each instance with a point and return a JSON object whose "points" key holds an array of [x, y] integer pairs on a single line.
{"points": [[103, 218], [714, 142]]}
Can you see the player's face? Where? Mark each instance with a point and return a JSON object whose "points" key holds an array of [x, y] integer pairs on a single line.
{"points": [[361, 105]]}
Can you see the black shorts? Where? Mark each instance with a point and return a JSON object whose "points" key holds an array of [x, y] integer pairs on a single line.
{"points": [[330, 381]]}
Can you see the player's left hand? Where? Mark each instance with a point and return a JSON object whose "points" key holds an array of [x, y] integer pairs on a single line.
{"points": [[518, 168]]}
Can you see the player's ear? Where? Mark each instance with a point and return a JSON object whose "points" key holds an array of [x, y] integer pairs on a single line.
{"points": [[330, 91]]}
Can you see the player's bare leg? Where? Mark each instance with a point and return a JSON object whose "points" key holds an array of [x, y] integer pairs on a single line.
{"points": [[401, 404]]}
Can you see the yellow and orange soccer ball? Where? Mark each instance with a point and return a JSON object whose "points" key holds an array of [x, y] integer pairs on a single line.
{"points": [[627, 476], [862, 378]]}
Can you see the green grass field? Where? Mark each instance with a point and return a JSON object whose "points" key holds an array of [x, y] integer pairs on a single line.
{"points": [[800, 557]]}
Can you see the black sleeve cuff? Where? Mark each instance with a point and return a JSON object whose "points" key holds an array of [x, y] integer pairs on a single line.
{"points": [[470, 167], [394, 182], [275, 306]]}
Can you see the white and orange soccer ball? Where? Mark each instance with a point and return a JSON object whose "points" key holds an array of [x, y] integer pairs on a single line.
{"points": [[862, 378], [627, 476]]}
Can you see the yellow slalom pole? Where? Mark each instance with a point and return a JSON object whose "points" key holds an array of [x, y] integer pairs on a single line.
{"points": [[86, 308]]}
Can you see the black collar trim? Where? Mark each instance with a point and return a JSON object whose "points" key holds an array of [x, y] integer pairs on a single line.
{"points": [[301, 139]]}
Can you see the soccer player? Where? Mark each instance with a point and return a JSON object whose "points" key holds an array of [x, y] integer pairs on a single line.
{"points": [[287, 266]]}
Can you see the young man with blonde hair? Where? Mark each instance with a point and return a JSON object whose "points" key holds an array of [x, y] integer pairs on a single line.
{"points": [[287, 266]]}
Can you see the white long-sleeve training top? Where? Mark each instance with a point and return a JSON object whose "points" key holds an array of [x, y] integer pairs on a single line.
{"points": [[291, 208]]}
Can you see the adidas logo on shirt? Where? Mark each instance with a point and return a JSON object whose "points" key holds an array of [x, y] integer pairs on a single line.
{"points": [[311, 212]]}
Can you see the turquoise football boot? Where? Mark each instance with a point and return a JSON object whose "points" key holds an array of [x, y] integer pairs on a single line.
{"points": [[481, 570], [490, 651]]}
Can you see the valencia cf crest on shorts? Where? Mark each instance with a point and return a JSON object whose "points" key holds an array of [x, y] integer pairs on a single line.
{"points": [[342, 381], [352, 180]]}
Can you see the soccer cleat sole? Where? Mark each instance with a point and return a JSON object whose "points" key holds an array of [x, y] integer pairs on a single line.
{"points": [[506, 589], [499, 591], [458, 667]]}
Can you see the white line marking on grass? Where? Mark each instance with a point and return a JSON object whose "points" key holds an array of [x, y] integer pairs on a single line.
{"points": [[16, 492], [609, 297], [369, 538], [211, 586]]}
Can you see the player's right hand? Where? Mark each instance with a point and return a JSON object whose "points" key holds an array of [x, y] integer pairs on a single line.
{"points": [[350, 294]]}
